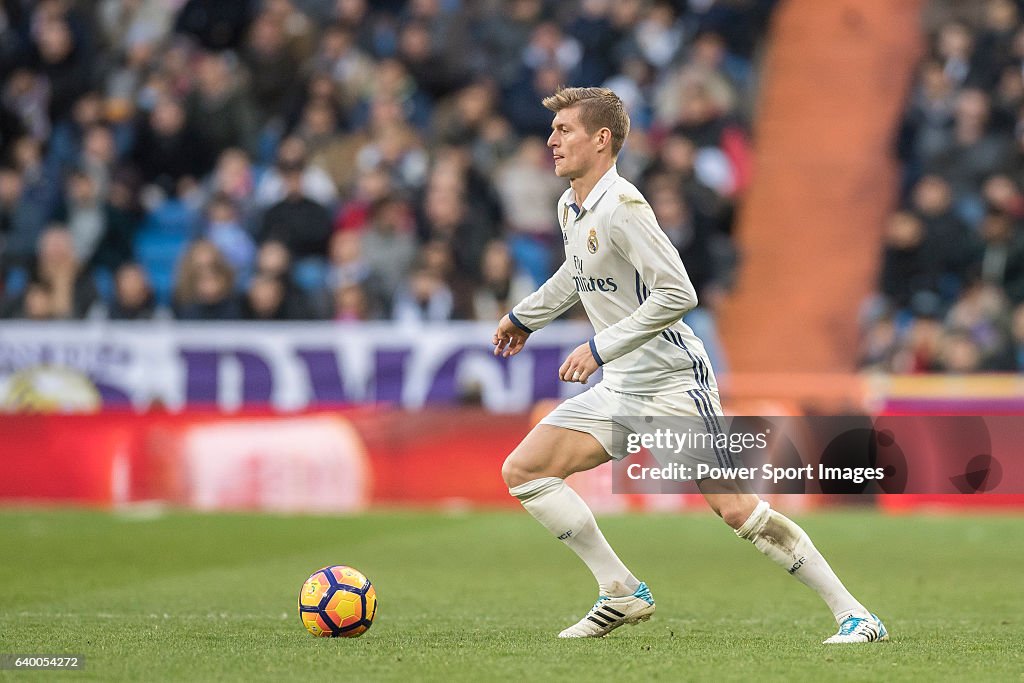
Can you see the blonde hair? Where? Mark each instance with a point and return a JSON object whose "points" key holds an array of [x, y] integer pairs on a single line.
{"points": [[186, 290], [599, 108]]}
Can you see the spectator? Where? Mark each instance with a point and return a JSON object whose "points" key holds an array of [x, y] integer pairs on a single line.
{"points": [[549, 46], [502, 284], [388, 244], [169, 153], [464, 113], [224, 228], [959, 353], [954, 47], [437, 71], [26, 102], [370, 188], [971, 153], [1002, 257], [271, 68], [995, 41], [923, 346], [67, 142], [30, 196], [908, 272], [20, 220], [234, 178], [707, 261], [64, 63], [216, 25], [316, 184], [350, 304], [296, 221], [1001, 192], [393, 82], [504, 35], [274, 260], [98, 156], [437, 258], [217, 107], [528, 191], [523, 100], [425, 298], [879, 345], [340, 57], [389, 143], [121, 218], [347, 267], [926, 124], [446, 219], [318, 130], [676, 165], [592, 28], [659, 35], [133, 295], [950, 243], [205, 285], [270, 297], [980, 315], [59, 288], [84, 215]]}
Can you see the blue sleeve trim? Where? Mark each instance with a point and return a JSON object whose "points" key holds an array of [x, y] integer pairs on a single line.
{"points": [[593, 350], [515, 321]]}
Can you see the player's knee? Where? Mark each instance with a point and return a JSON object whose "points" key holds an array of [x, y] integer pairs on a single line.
{"points": [[514, 473], [734, 513]]}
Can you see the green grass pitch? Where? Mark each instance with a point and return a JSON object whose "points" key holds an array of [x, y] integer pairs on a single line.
{"points": [[480, 597]]}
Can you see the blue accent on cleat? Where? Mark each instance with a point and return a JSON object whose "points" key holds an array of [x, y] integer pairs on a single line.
{"points": [[882, 633], [644, 593], [851, 623]]}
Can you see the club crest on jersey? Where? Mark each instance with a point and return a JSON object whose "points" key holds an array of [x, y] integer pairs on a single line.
{"points": [[592, 241]]}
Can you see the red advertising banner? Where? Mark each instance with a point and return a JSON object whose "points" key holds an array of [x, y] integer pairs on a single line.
{"points": [[315, 462], [324, 462]]}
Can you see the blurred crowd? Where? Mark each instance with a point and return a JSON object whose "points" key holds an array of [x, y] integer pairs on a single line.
{"points": [[349, 160], [951, 291]]}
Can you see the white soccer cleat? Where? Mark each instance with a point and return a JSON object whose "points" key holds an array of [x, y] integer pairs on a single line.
{"points": [[608, 614], [859, 630]]}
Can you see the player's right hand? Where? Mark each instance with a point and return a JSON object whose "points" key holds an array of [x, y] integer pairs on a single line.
{"points": [[508, 339]]}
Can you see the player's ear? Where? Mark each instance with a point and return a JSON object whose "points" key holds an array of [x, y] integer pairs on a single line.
{"points": [[604, 138]]}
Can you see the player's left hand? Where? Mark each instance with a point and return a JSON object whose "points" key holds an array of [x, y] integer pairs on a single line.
{"points": [[579, 365]]}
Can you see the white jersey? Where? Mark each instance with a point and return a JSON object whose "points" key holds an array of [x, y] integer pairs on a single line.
{"points": [[622, 266]]}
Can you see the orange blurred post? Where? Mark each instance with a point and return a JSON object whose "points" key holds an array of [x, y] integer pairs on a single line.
{"points": [[835, 81]]}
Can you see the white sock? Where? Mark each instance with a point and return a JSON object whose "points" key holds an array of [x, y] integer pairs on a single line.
{"points": [[554, 504], [790, 547]]}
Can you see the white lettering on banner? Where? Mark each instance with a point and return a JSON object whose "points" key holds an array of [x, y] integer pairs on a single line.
{"points": [[298, 464], [289, 366]]}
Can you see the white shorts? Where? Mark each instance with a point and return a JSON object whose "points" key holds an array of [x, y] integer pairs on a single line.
{"points": [[611, 416]]}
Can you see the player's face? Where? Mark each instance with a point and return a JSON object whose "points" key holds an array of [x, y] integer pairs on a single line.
{"points": [[574, 150]]}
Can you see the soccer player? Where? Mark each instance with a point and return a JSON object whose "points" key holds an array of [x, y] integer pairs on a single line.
{"points": [[624, 269]]}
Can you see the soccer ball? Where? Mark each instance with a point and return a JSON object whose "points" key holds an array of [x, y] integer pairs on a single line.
{"points": [[337, 601]]}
